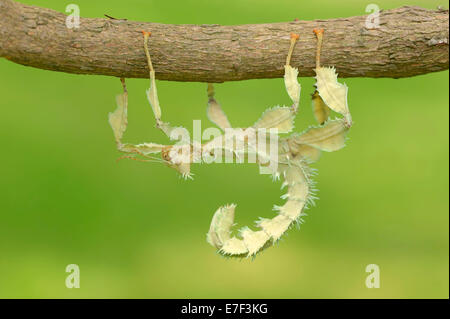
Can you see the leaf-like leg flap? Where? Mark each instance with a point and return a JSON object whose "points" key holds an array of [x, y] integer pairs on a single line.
{"points": [[290, 76], [330, 137], [311, 154], [118, 119], [215, 112], [152, 96], [302, 151], [293, 88], [280, 118], [332, 93]]}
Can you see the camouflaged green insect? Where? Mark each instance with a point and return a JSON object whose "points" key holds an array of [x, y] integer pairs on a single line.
{"points": [[295, 152]]}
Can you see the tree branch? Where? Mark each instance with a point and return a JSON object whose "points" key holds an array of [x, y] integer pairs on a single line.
{"points": [[409, 41]]}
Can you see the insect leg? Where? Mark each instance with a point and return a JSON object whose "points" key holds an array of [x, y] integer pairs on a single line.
{"points": [[290, 76], [332, 94], [119, 121], [319, 35], [152, 93], [320, 110], [294, 39], [214, 110]]}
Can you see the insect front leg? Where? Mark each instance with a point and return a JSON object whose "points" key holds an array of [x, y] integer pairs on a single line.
{"points": [[152, 93], [330, 94], [119, 121], [290, 76], [214, 110]]}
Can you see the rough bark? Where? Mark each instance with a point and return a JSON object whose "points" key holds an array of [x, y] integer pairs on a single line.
{"points": [[409, 41]]}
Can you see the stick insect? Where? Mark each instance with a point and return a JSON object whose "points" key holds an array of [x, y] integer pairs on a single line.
{"points": [[294, 153]]}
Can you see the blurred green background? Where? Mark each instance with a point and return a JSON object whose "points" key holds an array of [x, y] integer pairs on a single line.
{"points": [[138, 231]]}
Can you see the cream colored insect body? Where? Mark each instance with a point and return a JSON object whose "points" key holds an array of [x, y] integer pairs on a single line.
{"points": [[294, 153]]}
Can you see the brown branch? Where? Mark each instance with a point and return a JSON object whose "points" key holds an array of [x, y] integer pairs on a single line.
{"points": [[408, 42]]}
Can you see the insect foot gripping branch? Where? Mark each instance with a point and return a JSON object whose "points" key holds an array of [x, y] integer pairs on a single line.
{"points": [[293, 156]]}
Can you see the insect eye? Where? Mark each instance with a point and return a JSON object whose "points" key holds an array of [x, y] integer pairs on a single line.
{"points": [[165, 155]]}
